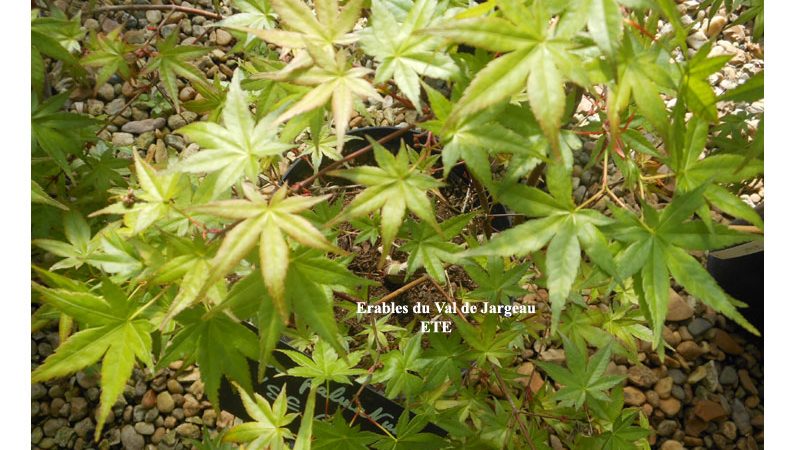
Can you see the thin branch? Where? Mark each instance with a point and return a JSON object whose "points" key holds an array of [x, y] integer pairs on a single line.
{"points": [[402, 289], [350, 157], [514, 410], [185, 9]]}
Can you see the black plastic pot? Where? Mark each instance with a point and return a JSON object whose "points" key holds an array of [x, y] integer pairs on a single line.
{"points": [[379, 408], [740, 272], [301, 169]]}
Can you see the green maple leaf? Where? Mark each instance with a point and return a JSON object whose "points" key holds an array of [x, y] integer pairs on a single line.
{"points": [[335, 80], [172, 60], [154, 200], [323, 143], [563, 228], [428, 248], [325, 365], [693, 170], [327, 27], [535, 56], [404, 54], [110, 54], [79, 248], [619, 431], [254, 15], [376, 334], [584, 377], [48, 123], [446, 357], [65, 30], [400, 368], [475, 137], [48, 40], [394, 186], [38, 195], [369, 228], [496, 283], [619, 328], [269, 426], [486, 342], [115, 332], [236, 149], [410, 435], [337, 434], [695, 87], [656, 247], [219, 344], [269, 223], [641, 74], [211, 99]]}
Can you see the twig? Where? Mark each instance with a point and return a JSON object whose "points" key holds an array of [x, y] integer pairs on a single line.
{"points": [[185, 9], [487, 211], [747, 228], [402, 289], [514, 409], [350, 157]]}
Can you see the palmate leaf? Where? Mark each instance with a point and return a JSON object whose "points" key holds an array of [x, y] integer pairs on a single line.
{"points": [[268, 224], [254, 14], [172, 61], [219, 344], [115, 332], [474, 138], [429, 249], [657, 248], [325, 365], [584, 377], [640, 75], [211, 99], [79, 248], [403, 54], [38, 195], [310, 281], [693, 169], [337, 434], [269, 426], [496, 283], [330, 25], [699, 95], [410, 435], [335, 80], [109, 53], [620, 431], [154, 199], [534, 58], [393, 187], [487, 343], [235, 149], [400, 369], [563, 228], [48, 123]]}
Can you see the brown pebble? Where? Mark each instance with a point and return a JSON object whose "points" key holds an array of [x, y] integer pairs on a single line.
{"points": [[672, 445], [664, 387], [633, 396], [709, 410], [689, 350], [747, 382], [678, 308], [149, 399], [694, 426], [752, 401], [727, 344], [670, 406]]}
